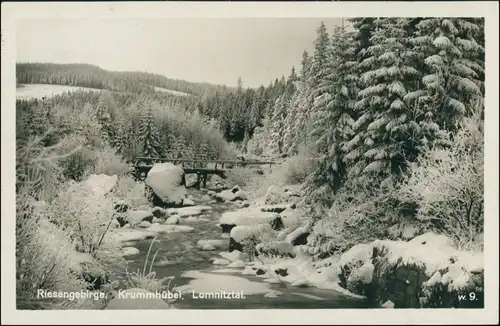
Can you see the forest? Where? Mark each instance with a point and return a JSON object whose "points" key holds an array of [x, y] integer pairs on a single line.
{"points": [[381, 126]]}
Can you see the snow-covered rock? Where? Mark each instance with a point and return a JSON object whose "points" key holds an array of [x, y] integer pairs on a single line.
{"points": [[172, 220], [231, 195], [136, 299], [187, 202], [237, 264], [276, 249], [220, 261], [208, 247], [249, 216], [130, 251], [165, 180], [191, 180], [231, 256], [243, 232], [135, 217], [218, 244], [144, 224], [298, 236], [101, 184], [205, 198], [429, 266], [160, 212]]}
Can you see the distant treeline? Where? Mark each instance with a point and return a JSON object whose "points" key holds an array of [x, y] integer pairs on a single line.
{"points": [[86, 75]]}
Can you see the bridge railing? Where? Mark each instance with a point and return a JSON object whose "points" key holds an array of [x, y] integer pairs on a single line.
{"points": [[193, 162]]}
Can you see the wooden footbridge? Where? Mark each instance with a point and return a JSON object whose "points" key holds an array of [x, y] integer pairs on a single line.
{"points": [[201, 167]]}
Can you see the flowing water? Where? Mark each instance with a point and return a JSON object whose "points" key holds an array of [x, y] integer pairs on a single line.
{"points": [[178, 253]]}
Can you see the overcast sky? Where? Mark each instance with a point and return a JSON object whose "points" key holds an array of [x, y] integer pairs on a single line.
{"points": [[204, 50]]}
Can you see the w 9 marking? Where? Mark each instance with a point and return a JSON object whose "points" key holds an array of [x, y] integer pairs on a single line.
{"points": [[471, 297]]}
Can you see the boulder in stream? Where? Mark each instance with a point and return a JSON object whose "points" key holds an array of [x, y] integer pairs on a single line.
{"points": [[165, 180]]}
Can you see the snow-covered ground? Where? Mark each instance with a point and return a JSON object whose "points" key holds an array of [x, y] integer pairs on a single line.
{"points": [[32, 91], [165, 90]]}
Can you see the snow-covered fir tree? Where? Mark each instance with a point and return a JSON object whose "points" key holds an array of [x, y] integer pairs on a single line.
{"points": [[148, 134], [453, 64], [335, 119]]}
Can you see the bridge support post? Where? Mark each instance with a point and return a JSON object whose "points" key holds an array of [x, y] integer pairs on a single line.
{"points": [[205, 180], [198, 180]]}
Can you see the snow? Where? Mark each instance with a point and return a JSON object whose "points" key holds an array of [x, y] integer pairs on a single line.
{"points": [[130, 251], [442, 42], [241, 232], [220, 261], [248, 216], [231, 256], [171, 91], [165, 180], [31, 91], [134, 299], [205, 282], [101, 184]]}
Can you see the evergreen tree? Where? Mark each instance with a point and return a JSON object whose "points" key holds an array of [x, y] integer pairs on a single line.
{"points": [[453, 65], [148, 134], [278, 124], [335, 120], [384, 130]]}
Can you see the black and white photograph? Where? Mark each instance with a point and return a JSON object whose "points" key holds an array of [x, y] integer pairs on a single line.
{"points": [[329, 162]]}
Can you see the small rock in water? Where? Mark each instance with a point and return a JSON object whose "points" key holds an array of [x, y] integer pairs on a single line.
{"points": [[126, 226], [208, 247], [219, 261], [205, 198], [144, 224], [272, 295]]}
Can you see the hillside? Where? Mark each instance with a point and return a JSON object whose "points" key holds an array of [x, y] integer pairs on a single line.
{"points": [[91, 76]]}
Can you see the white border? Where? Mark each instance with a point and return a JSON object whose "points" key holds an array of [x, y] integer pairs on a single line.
{"points": [[13, 11]]}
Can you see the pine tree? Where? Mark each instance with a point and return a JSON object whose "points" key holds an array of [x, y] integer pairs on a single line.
{"points": [[278, 124], [453, 64], [335, 119], [148, 135], [384, 129]]}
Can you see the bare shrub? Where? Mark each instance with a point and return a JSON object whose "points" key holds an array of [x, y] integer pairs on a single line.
{"points": [[108, 162], [447, 184]]}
